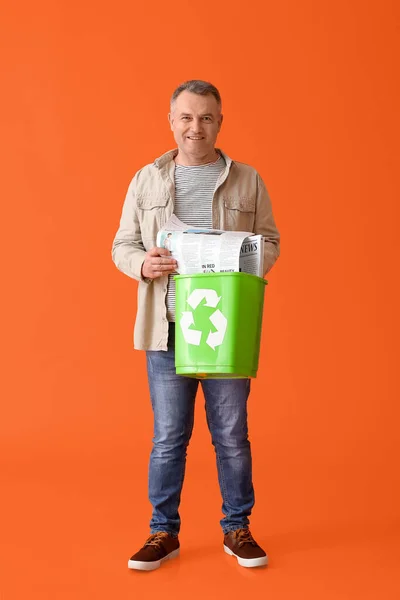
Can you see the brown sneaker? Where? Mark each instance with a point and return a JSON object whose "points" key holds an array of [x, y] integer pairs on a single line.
{"points": [[158, 547], [240, 543]]}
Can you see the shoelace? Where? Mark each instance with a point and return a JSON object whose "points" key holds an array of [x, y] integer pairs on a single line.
{"points": [[244, 536], [156, 538]]}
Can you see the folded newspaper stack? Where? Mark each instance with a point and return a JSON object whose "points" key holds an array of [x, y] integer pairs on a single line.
{"points": [[212, 250]]}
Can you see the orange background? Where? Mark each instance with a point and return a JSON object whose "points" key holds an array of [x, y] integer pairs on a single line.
{"points": [[310, 97]]}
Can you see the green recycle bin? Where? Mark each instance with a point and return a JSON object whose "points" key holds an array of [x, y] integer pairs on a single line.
{"points": [[218, 325]]}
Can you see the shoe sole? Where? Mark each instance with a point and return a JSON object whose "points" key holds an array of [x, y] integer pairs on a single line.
{"points": [[151, 566], [248, 562]]}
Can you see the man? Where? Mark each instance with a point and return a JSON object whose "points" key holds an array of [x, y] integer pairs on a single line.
{"points": [[204, 188]]}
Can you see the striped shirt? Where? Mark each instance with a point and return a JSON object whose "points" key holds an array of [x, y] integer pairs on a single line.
{"points": [[194, 191]]}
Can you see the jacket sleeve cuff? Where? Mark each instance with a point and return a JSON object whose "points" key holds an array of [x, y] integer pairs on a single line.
{"points": [[137, 261]]}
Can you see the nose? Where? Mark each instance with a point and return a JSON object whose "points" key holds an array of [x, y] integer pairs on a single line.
{"points": [[195, 125]]}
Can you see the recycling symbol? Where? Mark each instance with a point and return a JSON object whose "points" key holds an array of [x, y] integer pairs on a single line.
{"points": [[193, 336]]}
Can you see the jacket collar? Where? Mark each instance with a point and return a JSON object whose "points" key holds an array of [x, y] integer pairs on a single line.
{"points": [[169, 156]]}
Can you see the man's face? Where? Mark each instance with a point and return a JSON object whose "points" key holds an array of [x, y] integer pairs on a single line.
{"points": [[195, 121]]}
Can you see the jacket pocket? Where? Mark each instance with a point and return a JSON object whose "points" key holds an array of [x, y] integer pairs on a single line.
{"points": [[151, 211], [239, 213], [151, 201]]}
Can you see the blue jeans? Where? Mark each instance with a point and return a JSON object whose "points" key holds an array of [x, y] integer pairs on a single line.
{"points": [[172, 398]]}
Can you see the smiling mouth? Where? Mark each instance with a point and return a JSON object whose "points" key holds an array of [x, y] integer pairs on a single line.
{"points": [[195, 138]]}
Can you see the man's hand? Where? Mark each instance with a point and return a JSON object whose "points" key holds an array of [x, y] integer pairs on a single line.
{"points": [[157, 263]]}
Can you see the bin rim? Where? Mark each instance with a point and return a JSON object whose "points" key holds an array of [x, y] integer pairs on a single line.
{"points": [[225, 274]]}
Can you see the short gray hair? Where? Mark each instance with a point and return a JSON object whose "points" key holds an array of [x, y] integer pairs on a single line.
{"points": [[197, 86]]}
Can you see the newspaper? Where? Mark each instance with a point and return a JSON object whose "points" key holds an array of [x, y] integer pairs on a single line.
{"points": [[212, 250], [251, 259]]}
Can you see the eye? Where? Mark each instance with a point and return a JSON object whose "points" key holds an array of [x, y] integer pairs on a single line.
{"points": [[207, 118], [185, 118]]}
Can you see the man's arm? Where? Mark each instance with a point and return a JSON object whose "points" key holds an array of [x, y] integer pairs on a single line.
{"points": [[128, 251], [265, 225]]}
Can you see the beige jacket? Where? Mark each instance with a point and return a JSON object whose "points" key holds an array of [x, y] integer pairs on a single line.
{"points": [[240, 203]]}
